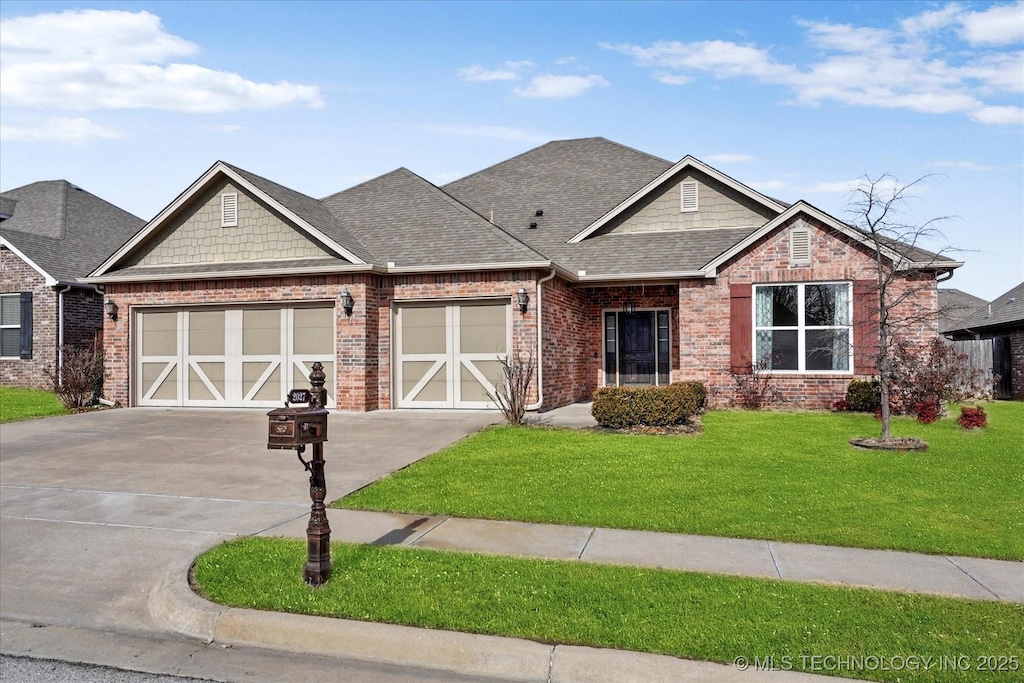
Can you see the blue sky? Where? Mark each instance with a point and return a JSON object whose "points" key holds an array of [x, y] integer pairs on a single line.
{"points": [[133, 101]]}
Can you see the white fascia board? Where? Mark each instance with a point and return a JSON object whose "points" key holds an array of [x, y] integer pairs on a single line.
{"points": [[642, 277], [464, 267], [192, 191], [230, 274], [50, 280], [686, 162]]}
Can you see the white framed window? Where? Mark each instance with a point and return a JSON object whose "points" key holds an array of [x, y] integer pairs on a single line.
{"points": [[688, 195], [229, 210], [806, 327], [10, 326]]}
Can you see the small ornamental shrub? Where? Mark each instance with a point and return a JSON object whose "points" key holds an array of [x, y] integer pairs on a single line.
{"points": [[927, 411], [840, 405], [972, 417], [863, 396], [624, 407], [78, 381]]}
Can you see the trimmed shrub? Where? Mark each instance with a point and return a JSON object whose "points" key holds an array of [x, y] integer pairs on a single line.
{"points": [[840, 405], [928, 411], [623, 407], [863, 396], [972, 417]]}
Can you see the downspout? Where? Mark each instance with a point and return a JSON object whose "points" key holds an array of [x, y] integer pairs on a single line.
{"points": [[60, 335], [540, 341]]}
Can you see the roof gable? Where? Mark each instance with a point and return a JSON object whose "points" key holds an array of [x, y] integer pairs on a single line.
{"points": [[64, 230], [303, 212], [670, 175]]}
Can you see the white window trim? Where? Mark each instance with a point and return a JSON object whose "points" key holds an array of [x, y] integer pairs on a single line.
{"points": [[801, 328], [618, 357], [226, 222], [17, 296], [682, 196]]}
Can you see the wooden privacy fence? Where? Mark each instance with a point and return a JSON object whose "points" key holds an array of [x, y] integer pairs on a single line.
{"points": [[991, 356]]}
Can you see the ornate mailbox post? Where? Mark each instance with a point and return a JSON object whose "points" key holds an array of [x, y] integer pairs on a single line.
{"points": [[294, 428]]}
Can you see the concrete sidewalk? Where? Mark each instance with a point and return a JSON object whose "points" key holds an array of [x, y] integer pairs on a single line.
{"points": [[962, 577]]}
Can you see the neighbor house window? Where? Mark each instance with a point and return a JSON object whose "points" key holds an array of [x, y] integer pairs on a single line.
{"points": [[803, 327], [10, 325]]}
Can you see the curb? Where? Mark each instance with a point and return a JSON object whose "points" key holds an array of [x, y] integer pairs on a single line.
{"points": [[175, 606]]}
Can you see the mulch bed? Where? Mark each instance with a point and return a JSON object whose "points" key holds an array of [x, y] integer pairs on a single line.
{"points": [[901, 444]]}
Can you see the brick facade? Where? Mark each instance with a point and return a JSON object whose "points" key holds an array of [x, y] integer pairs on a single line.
{"points": [[572, 325], [83, 321]]}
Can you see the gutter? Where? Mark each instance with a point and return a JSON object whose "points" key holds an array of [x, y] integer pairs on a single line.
{"points": [[540, 340], [60, 333]]}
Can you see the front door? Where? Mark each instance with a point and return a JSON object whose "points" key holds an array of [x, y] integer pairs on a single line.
{"points": [[636, 348]]}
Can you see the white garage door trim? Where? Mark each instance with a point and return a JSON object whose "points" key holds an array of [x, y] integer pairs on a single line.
{"points": [[456, 373], [174, 367]]}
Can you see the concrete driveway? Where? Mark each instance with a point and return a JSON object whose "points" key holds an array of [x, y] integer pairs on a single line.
{"points": [[95, 508]]}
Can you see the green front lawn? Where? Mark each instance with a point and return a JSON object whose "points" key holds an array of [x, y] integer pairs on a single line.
{"points": [[690, 615], [777, 476], [21, 404]]}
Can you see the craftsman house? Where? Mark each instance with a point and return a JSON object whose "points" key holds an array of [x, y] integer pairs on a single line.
{"points": [[607, 265], [52, 234]]}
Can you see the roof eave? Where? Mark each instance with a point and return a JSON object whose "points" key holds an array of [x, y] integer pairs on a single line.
{"points": [[617, 278], [230, 274], [49, 279]]}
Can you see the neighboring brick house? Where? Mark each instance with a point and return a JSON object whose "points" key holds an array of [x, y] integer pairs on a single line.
{"points": [[1002, 321], [609, 265], [52, 234]]}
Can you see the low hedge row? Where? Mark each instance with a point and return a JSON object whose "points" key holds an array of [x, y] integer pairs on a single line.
{"points": [[623, 407]]}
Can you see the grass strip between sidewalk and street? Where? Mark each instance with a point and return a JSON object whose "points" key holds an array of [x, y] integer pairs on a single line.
{"points": [[684, 614], [23, 404], [763, 475]]}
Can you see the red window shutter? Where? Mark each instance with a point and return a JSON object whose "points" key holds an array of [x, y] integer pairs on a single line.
{"points": [[741, 319], [865, 326]]}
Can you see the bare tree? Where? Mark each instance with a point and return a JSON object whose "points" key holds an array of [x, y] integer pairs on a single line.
{"points": [[512, 390], [903, 268]]}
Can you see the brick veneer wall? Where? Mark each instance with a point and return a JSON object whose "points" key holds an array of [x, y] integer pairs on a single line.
{"points": [[704, 309], [1017, 362], [18, 276], [363, 342], [455, 286], [570, 365], [83, 318], [357, 361]]}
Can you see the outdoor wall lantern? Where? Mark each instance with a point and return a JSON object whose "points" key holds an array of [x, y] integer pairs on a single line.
{"points": [[523, 299], [630, 307], [347, 302], [111, 308], [294, 428]]}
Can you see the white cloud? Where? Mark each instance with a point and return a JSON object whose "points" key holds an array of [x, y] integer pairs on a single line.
{"points": [[728, 158], [109, 59], [509, 72], [551, 86], [884, 187], [75, 131], [998, 25], [902, 68], [225, 128]]}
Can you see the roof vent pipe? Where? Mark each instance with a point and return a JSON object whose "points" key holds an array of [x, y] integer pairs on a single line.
{"points": [[533, 226], [539, 213]]}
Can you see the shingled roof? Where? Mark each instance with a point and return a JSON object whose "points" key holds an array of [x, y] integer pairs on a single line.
{"points": [[574, 182], [412, 223], [63, 229], [954, 306], [1004, 311]]}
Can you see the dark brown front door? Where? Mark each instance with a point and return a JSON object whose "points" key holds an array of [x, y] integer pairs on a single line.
{"points": [[636, 348]]}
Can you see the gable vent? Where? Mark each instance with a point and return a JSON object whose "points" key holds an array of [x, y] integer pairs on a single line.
{"points": [[688, 189], [800, 245], [229, 210]]}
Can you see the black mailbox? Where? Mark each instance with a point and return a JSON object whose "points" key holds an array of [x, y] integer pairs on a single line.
{"points": [[294, 427]]}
